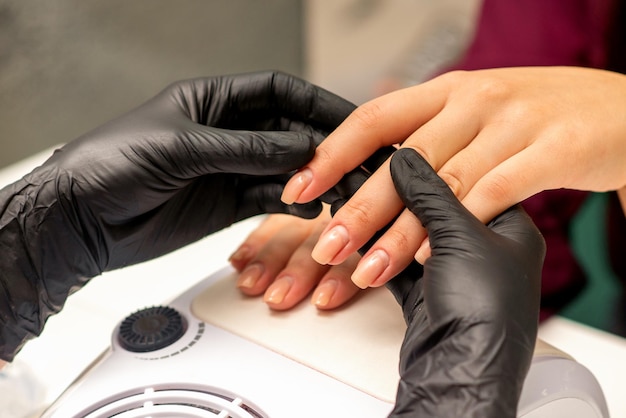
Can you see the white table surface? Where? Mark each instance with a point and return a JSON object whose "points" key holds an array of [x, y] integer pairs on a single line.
{"points": [[74, 337]]}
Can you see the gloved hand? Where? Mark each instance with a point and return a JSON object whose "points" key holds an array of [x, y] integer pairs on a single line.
{"points": [[472, 317], [196, 158]]}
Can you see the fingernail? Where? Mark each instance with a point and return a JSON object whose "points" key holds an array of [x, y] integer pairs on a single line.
{"points": [[324, 293], [370, 268], [330, 244], [250, 276], [423, 252], [278, 290], [296, 185], [240, 254]]}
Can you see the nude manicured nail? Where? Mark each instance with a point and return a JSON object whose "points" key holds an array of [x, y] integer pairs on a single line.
{"points": [[296, 185], [370, 268], [250, 276], [324, 293], [278, 290], [330, 244]]}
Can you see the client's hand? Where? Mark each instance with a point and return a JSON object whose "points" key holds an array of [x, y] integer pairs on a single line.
{"points": [[496, 136], [472, 317]]}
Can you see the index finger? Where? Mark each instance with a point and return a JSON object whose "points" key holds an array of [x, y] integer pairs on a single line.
{"points": [[383, 121]]}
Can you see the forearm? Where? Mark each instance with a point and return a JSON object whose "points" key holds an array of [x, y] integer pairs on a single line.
{"points": [[42, 260]]}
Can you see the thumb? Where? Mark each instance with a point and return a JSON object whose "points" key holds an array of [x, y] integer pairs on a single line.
{"points": [[426, 195]]}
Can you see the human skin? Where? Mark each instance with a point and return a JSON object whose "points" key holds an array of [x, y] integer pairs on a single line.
{"points": [[275, 260], [495, 136]]}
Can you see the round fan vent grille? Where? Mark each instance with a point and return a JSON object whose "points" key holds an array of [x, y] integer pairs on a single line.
{"points": [[151, 329], [175, 402]]}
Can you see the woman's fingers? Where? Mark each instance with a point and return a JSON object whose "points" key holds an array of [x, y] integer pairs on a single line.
{"points": [[369, 210], [375, 205], [275, 260], [336, 288], [445, 135], [386, 120], [512, 181], [373, 208], [298, 276], [302, 274], [463, 169], [267, 251], [391, 253], [253, 243]]}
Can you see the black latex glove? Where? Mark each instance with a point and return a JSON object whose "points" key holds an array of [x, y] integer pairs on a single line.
{"points": [[473, 316], [196, 158]]}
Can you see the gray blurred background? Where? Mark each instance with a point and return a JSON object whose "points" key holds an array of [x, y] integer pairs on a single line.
{"points": [[67, 66]]}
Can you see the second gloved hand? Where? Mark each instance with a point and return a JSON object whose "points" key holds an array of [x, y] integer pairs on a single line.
{"points": [[196, 158], [473, 315]]}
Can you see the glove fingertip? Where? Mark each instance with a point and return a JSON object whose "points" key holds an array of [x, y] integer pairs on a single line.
{"points": [[425, 194], [336, 205], [308, 210], [412, 175]]}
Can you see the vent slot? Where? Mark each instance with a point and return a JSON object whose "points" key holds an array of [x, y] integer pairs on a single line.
{"points": [[175, 401]]}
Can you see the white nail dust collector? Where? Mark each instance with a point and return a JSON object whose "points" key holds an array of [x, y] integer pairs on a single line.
{"points": [[212, 352]]}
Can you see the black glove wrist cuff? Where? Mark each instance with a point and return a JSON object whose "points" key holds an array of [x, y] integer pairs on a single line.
{"points": [[43, 260]]}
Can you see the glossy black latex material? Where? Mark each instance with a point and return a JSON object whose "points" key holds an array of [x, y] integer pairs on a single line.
{"points": [[199, 156], [472, 311]]}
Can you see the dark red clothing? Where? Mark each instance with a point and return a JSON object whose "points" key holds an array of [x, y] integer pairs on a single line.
{"points": [[540, 32], [534, 33]]}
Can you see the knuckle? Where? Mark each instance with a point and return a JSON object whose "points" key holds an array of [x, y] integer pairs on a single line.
{"points": [[497, 189], [426, 150], [324, 155], [454, 182], [484, 87], [454, 76], [359, 213], [398, 242], [328, 162], [492, 89], [368, 115]]}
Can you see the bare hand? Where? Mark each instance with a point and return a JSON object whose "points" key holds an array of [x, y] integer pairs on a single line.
{"points": [[495, 136]]}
